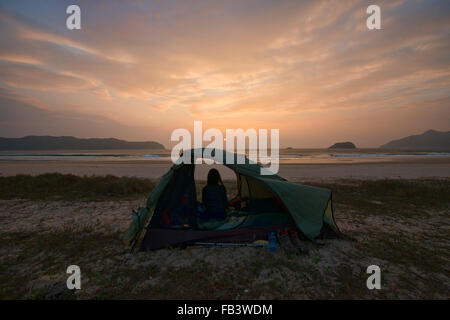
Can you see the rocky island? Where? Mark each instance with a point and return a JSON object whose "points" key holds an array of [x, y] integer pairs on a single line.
{"points": [[343, 145]]}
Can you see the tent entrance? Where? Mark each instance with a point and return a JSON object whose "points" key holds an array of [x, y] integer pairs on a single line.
{"points": [[170, 211], [251, 203]]}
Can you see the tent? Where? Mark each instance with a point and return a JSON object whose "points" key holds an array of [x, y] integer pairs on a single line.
{"points": [[170, 216]]}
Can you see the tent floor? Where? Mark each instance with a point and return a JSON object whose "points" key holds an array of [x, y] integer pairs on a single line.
{"points": [[157, 238]]}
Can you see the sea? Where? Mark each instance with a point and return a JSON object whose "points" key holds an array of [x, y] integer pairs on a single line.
{"points": [[286, 156]]}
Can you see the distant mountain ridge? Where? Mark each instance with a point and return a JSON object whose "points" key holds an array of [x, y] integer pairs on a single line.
{"points": [[429, 140], [72, 143]]}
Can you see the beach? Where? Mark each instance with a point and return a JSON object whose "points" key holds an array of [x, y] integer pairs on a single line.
{"points": [[396, 208], [409, 168]]}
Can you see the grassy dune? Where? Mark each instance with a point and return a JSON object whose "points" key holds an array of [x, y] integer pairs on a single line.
{"points": [[401, 226], [57, 186]]}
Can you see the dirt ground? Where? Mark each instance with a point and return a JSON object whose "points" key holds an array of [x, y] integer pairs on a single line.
{"points": [[409, 241]]}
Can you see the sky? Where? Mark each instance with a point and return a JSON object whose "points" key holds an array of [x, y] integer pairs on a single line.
{"points": [[138, 70]]}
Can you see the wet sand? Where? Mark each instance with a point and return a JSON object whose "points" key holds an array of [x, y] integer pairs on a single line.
{"points": [[400, 168]]}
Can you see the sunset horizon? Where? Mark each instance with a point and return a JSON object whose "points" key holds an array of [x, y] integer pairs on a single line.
{"points": [[138, 72]]}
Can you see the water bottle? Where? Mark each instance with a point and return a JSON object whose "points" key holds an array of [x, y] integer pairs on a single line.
{"points": [[273, 243]]}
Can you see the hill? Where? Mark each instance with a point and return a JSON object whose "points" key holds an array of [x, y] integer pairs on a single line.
{"points": [[343, 145], [72, 143], [429, 140]]}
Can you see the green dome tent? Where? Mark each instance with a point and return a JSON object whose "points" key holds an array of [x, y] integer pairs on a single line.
{"points": [[273, 203]]}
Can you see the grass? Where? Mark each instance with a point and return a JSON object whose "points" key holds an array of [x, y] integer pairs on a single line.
{"points": [[391, 196], [401, 225], [56, 186], [406, 251], [48, 253]]}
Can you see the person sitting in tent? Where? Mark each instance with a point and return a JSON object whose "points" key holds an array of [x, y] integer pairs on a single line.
{"points": [[214, 196]]}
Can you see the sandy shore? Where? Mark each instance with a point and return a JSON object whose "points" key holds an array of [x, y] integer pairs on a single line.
{"points": [[47, 236], [407, 169]]}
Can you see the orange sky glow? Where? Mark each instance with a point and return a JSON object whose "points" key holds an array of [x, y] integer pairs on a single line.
{"points": [[312, 69]]}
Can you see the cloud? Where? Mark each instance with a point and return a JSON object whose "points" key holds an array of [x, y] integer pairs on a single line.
{"points": [[229, 60], [31, 77], [22, 115]]}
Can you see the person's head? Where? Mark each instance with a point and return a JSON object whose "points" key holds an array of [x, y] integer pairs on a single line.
{"points": [[213, 177]]}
